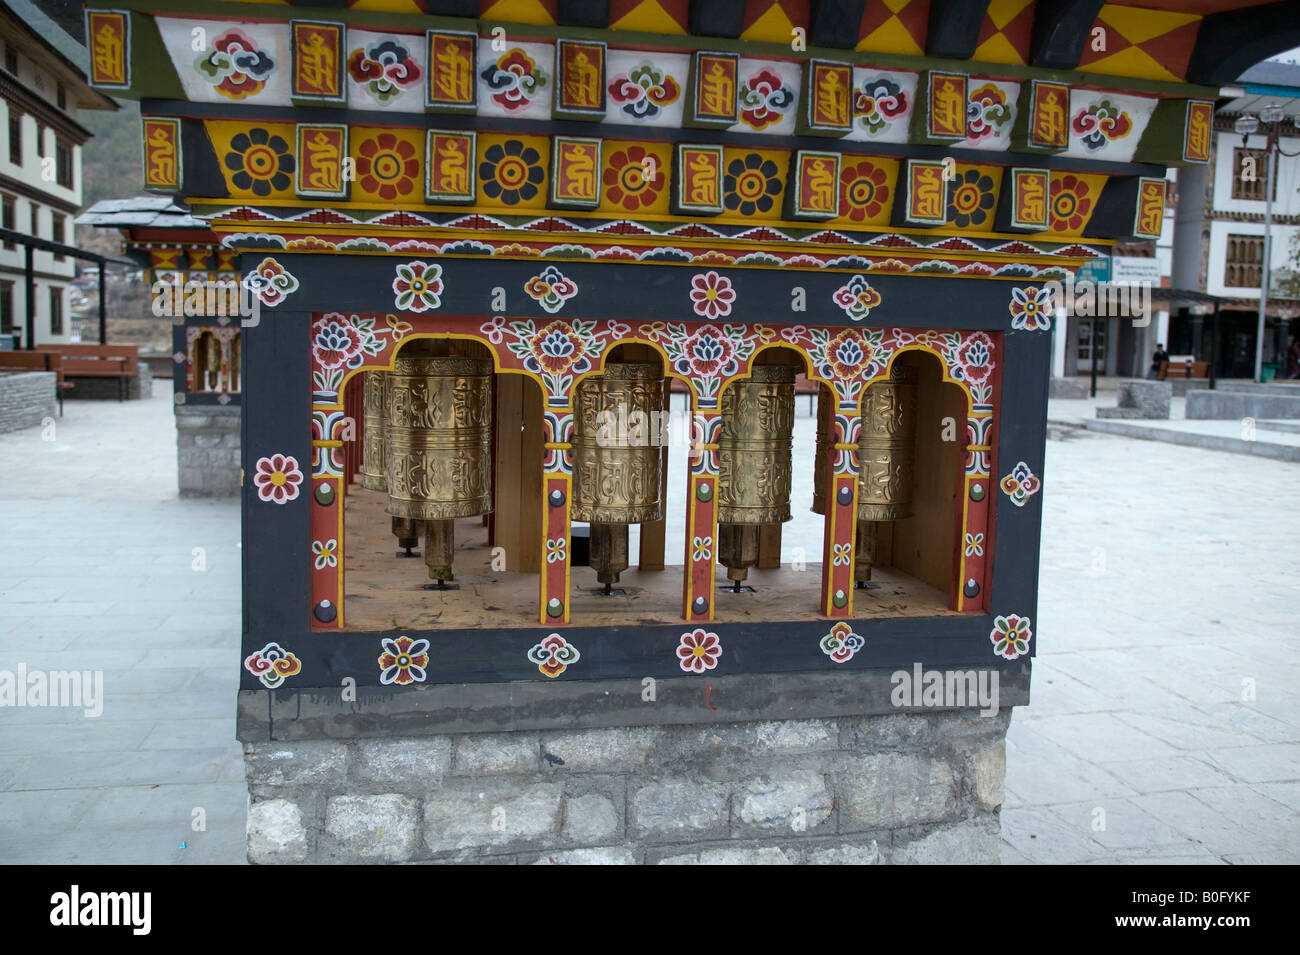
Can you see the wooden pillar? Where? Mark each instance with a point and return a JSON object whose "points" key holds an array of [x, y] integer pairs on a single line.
{"points": [[518, 478]]}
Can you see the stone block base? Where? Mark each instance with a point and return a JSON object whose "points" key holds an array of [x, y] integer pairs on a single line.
{"points": [[1139, 398], [1067, 388], [207, 450], [1226, 405], [109, 389], [26, 399], [901, 788]]}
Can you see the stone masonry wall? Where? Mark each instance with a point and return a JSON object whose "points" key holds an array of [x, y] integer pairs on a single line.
{"points": [[26, 399], [207, 450], [107, 389], [900, 788]]}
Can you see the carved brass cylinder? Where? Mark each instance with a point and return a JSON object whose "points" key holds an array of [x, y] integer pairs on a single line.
{"points": [[887, 448], [374, 475], [236, 366], [616, 454], [754, 448], [439, 438], [825, 447]]}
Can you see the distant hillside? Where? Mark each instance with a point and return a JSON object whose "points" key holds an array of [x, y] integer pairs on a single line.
{"points": [[110, 167]]}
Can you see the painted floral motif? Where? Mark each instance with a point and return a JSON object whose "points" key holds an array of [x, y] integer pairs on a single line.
{"points": [[970, 198], [270, 282], [877, 103], [236, 67], [987, 112], [1101, 123], [751, 184], [712, 295], [557, 351], [272, 664], [554, 655], [707, 355], [841, 643], [551, 289], [555, 550], [1031, 309], [1070, 203], [702, 548], [326, 553], [698, 651], [841, 555], [974, 545], [418, 286], [633, 178], [846, 354], [385, 68], [403, 661], [1021, 484], [764, 100], [864, 190], [387, 166], [1011, 636], [514, 79], [975, 357], [260, 162], [857, 298], [277, 478], [644, 91], [339, 341], [511, 172]]}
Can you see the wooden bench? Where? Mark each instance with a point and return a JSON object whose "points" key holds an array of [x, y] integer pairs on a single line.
{"points": [[99, 361], [1180, 369], [37, 361]]}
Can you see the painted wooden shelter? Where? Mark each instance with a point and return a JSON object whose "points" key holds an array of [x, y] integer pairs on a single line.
{"points": [[848, 187]]}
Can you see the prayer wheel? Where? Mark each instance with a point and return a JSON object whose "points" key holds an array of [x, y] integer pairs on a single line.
{"points": [[236, 372], [438, 453], [616, 459], [825, 446], [887, 457], [753, 463], [374, 473]]}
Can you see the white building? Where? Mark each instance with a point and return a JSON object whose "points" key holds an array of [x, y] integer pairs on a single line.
{"points": [[42, 88]]}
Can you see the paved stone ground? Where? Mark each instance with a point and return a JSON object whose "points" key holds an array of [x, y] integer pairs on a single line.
{"points": [[1168, 579]]}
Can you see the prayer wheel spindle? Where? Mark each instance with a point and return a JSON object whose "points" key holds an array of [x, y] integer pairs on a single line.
{"points": [[438, 454], [754, 449], [616, 460]]}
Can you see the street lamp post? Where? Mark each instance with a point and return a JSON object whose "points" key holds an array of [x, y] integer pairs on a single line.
{"points": [[1271, 115]]}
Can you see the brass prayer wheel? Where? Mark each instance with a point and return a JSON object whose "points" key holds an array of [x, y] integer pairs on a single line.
{"points": [[887, 457], [374, 476], [753, 463], [439, 447], [236, 375], [825, 446], [617, 459]]}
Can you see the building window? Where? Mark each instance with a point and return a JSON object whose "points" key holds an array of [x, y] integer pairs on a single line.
{"points": [[6, 306], [8, 217], [1249, 173], [15, 137], [36, 220], [58, 232], [40, 141], [1245, 261], [63, 161], [61, 96], [11, 58], [56, 311]]}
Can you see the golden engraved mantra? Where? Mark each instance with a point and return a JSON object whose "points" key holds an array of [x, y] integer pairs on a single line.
{"points": [[718, 91], [1198, 134], [704, 183], [581, 82], [1032, 195], [832, 102], [453, 172], [1049, 118], [821, 186], [323, 160], [1152, 211], [162, 157], [109, 62], [451, 77], [316, 65], [927, 193], [579, 170], [949, 108]]}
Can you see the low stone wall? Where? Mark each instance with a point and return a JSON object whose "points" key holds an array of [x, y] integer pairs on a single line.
{"points": [[26, 399], [1227, 405], [1138, 398], [902, 788], [1068, 388], [106, 389], [207, 450]]}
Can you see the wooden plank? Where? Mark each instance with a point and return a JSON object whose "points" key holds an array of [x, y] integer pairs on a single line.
{"points": [[769, 547], [506, 480], [532, 440]]}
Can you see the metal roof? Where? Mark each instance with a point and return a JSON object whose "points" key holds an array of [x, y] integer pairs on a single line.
{"points": [[155, 212]]}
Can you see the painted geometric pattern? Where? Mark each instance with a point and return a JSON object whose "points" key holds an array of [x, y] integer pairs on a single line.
{"points": [[1137, 41], [1005, 35], [894, 26]]}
